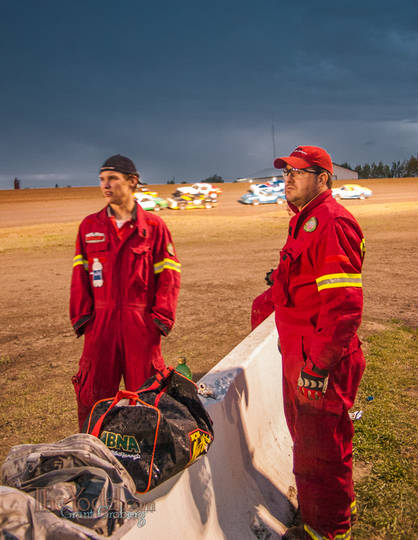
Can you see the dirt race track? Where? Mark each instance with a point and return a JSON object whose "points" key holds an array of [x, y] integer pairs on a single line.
{"points": [[225, 253]]}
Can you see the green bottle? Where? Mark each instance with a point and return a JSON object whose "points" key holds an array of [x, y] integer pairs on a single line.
{"points": [[184, 369]]}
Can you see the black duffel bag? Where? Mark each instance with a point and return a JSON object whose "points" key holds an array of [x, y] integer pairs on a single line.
{"points": [[156, 431]]}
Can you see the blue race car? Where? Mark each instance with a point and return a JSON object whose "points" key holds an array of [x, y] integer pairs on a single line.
{"points": [[259, 195], [351, 191]]}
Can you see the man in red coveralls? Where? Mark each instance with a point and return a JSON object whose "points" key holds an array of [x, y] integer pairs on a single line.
{"points": [[316, 293], [124, 290]]}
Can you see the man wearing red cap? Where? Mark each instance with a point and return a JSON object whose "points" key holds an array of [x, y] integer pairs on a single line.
{"points": [[124, 289], [316, 293]]}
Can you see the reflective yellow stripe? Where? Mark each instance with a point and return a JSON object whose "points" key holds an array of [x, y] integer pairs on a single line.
{"points": [[363, 246], [353, 507], [78, 259], [313, 534], [331, 281], [316, 536], [340, 284], [167, 264]]}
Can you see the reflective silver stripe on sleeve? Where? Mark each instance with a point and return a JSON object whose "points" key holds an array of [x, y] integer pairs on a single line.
{"points": [[79, 260], [167, 264], [331, 281]]}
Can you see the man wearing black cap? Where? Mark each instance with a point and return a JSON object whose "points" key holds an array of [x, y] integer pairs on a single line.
{"points": [[316, 293], [124, 290]]}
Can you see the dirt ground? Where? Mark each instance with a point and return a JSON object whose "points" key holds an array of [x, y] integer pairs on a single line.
{"points": [[225, 253]]}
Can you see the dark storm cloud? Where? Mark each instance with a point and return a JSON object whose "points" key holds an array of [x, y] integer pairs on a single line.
{"points": [[192, 88]]}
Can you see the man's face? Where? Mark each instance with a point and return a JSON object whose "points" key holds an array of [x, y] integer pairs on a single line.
{"points": [[117, 188], [301, 186]]}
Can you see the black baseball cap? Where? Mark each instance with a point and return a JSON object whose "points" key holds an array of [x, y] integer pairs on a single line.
{"points": [[120, 164]]}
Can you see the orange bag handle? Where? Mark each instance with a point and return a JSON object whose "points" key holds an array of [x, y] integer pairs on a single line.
{"points": [[132, 396], [122, 394]]}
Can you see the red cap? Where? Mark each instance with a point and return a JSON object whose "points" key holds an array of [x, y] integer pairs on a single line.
{"points": [[306, 156]]}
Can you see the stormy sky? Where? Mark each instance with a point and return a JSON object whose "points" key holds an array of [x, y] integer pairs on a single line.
{"points": [[188, 89]]}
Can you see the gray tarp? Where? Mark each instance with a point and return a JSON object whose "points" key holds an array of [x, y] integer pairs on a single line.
{"points": [[77, 478], [22, 518]]}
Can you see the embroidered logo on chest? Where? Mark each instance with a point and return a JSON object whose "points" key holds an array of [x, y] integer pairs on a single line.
{"points": [[310, 225], [95, 237]]}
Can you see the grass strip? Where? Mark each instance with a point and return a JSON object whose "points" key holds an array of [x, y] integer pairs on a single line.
{"points": [[195, 230], [385, 438], [34, 237]]}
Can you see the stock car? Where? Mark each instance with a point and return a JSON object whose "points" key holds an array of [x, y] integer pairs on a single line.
{"points": [[189, 202], [275, 185], [200, 188], [263, 196], [351, 191], [268, 186], [150, 202], [270, 192]]}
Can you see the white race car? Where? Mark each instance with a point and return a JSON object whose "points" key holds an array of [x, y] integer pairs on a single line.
{"points": [[351, 191], [149, 202], [200, 188]]}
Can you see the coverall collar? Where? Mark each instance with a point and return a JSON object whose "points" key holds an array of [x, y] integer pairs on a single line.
{"points": [[110, 212], [311, 204], [301, 215], [138, 217]]}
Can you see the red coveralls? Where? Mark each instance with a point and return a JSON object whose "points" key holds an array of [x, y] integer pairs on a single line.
{"points": [[123, 319], [317, 296]]}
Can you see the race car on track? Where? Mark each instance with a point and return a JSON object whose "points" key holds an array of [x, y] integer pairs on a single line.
{"points": [[351, 191], [145, 190], [200, 188], [263, 196], [268, 186], [150, 202], [189, 202]]}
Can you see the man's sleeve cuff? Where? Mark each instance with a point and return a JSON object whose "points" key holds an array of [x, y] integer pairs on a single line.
{"points": [[163, 328], [80, 325]]}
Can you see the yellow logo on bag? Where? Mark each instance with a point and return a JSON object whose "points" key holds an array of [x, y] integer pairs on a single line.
{"points": [[199, 442], [116, 441]]}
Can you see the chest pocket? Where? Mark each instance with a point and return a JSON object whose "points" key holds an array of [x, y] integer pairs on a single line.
{"points": [[142, 266], [97, 250], [288, 265], [98, 245]]}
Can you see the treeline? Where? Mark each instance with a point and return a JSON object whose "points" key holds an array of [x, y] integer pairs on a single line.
{"points": [[214, 179], [398, 169]]}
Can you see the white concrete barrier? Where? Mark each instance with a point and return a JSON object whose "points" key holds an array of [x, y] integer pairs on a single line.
{"points": [[244, 488]]}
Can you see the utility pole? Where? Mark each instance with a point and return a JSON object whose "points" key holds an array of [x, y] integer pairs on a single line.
{"points": [[273, 138]]}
